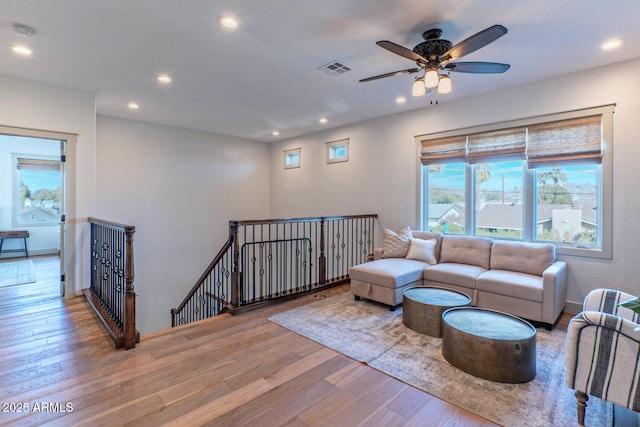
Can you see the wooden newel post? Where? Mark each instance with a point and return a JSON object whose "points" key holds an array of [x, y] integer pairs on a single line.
{"points": [[235, 273], [130, 335], [322, 260]]}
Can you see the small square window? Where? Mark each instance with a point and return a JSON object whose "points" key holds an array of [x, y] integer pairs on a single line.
{"points": [[292, 158], [338, 151]]}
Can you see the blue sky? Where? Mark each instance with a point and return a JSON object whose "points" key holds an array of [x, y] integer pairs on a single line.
{"points": [[36, 180], [452, 176]]}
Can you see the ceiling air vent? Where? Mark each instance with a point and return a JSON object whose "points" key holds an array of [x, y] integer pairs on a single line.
{"points": [[334, 68]]}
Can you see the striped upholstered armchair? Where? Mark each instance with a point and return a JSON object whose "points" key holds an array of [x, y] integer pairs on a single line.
{"points": [[603, 351]]}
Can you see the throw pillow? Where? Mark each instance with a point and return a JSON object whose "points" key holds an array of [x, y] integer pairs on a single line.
{"points": [[423, 250], [396, 245]]}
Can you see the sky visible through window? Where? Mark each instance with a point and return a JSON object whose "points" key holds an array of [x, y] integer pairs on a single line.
{"points": [[35, 180], [450, 176]]}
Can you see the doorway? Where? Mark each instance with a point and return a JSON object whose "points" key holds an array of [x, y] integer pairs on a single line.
{"points": [[33, 203]]}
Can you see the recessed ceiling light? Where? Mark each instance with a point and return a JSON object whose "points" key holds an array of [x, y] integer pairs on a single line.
{"points": [[228, 22], [275, 133], [164, 78], [401, 100], [323, 120], [21, 50], [611, 44], [133, 106]]}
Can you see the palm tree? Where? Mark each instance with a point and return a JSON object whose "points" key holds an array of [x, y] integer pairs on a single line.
{"points": [[483, 174], [554, 193], [556, 175]]}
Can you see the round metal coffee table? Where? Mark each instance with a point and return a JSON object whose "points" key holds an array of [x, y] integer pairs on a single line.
{"points": [[489, 344], [422, 308]]}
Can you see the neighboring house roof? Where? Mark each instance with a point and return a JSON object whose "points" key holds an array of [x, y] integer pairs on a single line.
{"points": [[588, 212], [498, 215], [438, 211]]}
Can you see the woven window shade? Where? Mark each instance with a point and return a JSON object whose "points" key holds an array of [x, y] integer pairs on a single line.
{"points": [[38, 164], [577, 140], [444, 150], [498, 144]]}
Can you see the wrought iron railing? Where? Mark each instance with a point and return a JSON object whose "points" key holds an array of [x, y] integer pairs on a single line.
{"points": [[211, 292], [111, 292], [269, 259]]}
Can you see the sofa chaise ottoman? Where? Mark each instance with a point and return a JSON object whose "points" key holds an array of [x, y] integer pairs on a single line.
{"points": [[384, 279], [520, 278]]}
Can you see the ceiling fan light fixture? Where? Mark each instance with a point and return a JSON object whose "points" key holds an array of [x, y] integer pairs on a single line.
{"points": [[445, 85], [436, 55], [418, 88], [431, 78]]}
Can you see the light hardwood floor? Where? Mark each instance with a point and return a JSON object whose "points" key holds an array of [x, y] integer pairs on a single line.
{"points": [[243, 370]]}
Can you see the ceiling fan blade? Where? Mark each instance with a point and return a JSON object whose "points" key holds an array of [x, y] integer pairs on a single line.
{"points": [[477, 67], [402, 51], [473, 43], [394, 73]]}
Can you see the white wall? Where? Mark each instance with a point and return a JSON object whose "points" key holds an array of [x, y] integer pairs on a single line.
{"points": [[31, 105], [42, 239], [382, 174], [179, 188]]}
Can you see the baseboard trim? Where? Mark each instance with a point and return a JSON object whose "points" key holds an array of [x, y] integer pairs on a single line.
{"points": [[573, 307]]}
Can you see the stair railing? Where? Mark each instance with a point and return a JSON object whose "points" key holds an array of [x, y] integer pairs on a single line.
{"points": [[211, 292], [266, 260], [111, 291]]}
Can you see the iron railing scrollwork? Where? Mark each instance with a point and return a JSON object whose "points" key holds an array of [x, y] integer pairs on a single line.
{"points": [[211, 292], [111, 291], [264, 260]]}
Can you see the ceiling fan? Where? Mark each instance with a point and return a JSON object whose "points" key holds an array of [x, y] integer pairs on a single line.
{"points": [[435, 55]]}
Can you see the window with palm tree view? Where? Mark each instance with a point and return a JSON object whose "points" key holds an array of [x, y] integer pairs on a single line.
{"points": [[565, 200], [539, 182]]}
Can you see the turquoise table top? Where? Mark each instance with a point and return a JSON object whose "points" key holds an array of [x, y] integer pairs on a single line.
{"points": [[488, 323], [437, 296]]}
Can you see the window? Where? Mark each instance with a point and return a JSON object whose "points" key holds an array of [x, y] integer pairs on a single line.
{"points": [[446, 197], [37, 194], [539, 179], [499, 196], [292, 158], [567, 201], [338, 151]]}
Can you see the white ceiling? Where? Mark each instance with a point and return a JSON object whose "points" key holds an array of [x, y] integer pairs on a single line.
{"points": [[264, 76]]}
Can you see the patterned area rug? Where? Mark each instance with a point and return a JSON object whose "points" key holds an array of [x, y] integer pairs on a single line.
{"points": [[372, 334], [17, 273]]}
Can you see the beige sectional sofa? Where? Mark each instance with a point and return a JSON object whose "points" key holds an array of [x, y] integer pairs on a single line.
{"points": [[520, 278]]}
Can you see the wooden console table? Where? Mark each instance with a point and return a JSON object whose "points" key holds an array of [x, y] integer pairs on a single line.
{"points": [[15, 234]]}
